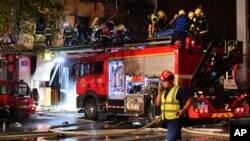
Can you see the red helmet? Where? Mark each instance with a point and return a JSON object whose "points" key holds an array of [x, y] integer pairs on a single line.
{"points": [[167, 75]]}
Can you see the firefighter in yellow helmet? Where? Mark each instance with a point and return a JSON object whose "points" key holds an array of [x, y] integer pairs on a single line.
{"points": [[191, 25], [201, 26], [201, 21], [163, 27], [122, 32], [179, 29], [174, 102]]}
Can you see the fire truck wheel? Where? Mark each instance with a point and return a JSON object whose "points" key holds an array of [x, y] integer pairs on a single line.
{"points": [[90, 109]]}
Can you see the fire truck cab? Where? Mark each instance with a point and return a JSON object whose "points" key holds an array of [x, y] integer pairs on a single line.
{"points": [[17, 100]]}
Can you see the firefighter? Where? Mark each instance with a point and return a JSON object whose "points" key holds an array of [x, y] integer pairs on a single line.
{"points": [[122, 33], [49, 33], [112, 27], [201, 26], [174, 102], [201, 21], [107, 34], [190, 30], [151, 23], [191, 24], [40, 28], [162, 24], [82, 34], [163, 27], [179, 29], [68, 35]]}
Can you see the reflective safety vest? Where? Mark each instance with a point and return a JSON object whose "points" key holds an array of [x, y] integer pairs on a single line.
{"points": [[170, 105], [68, 32], [48, 29]]}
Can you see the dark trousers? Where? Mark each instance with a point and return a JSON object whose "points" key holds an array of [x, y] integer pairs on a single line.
{"points": [[174, 129], [68, 41], [48, 40], [181, 35]]}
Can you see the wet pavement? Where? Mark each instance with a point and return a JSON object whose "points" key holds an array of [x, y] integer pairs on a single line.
{"points": [[36, 129]]}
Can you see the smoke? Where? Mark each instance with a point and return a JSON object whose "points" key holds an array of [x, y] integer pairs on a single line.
{"points": [[68, 91]]}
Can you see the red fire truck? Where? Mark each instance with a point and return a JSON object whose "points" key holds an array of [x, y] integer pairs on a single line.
{"points": [[16, 100], [125, 81]]}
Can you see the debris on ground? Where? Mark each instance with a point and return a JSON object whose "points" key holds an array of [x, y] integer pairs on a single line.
{"points": [[16, 124]]}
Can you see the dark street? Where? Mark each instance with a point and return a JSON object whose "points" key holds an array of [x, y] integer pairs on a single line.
{"points": [[36, 129]]}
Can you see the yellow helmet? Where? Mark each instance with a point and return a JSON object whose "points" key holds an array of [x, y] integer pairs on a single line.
{"points": [[181, 12], [197, 11], [190, 14], [121, 27], [161, 14]]}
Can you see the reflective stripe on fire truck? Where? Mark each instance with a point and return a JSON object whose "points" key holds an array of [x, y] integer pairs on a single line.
{"points": [[116, 107], [221, 115], [213, 97]]}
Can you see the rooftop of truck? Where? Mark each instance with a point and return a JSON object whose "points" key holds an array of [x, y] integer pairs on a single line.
{"points": [[123, 53], [7, 82]]}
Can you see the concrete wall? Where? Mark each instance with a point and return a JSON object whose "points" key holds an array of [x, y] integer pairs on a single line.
{"points": [[242, 16]]}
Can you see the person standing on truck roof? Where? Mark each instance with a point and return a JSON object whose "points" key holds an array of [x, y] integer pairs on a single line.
{"points": [[151, 23], [179, 29], [201, 21], [68, 35], [174, 102], [81, 33], [108, 34], [164, 25], [49, 32], [191, 25], [201, 26]]}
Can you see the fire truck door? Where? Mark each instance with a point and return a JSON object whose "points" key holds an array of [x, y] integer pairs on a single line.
{"points": [[116, 80], [98, 80]]}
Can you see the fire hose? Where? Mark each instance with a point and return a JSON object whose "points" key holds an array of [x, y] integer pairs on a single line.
{"points": [[115, 132], [53, 132], [101, 132], [208, 132]]}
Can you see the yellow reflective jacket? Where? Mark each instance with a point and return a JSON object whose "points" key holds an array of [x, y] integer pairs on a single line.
{"points": [[170, 105]]}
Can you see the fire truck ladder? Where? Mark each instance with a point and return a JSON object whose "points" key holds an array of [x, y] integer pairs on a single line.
{"points": [[213, 65]]}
